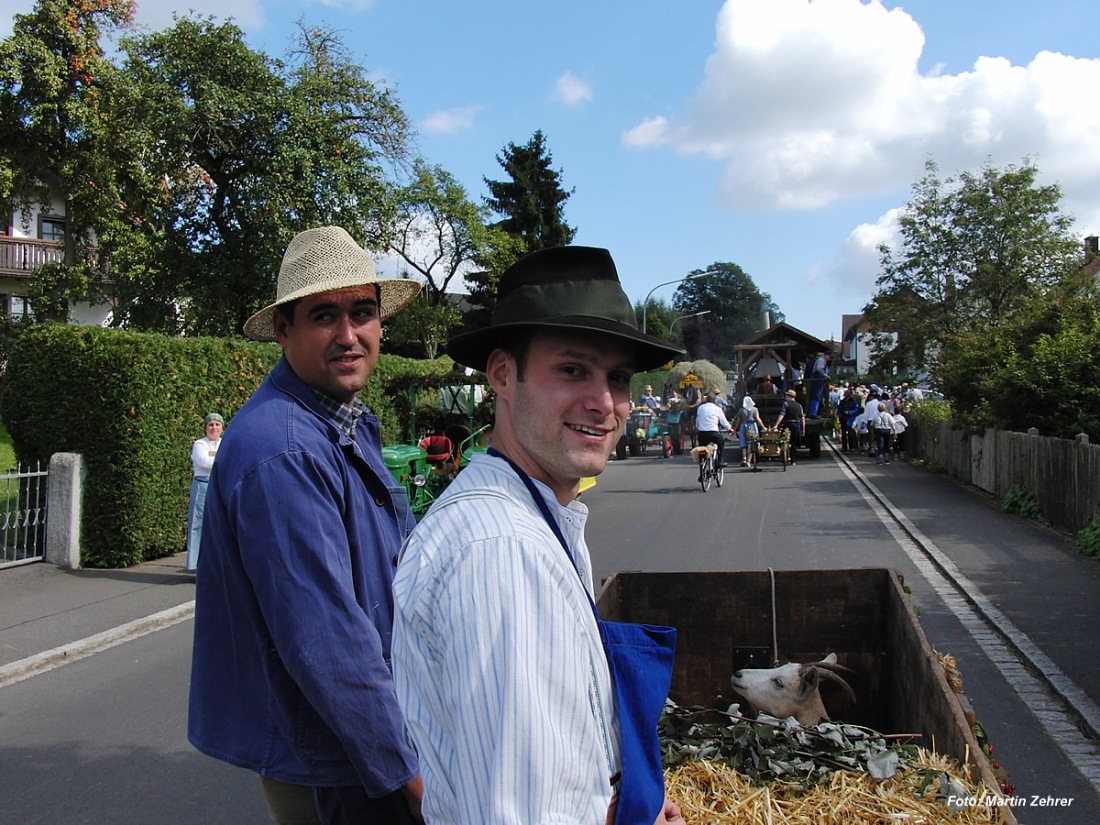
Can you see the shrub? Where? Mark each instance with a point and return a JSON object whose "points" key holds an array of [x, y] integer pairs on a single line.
{"points": [[928, 411], [132, 403], [1088, 537], [1022, 502]]}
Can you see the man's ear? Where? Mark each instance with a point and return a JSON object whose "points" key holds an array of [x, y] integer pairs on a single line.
{"points": [[278, 325], [500, 369]]}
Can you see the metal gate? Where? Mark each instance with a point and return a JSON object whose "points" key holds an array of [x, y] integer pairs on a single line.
{"points": [[22, 516]]}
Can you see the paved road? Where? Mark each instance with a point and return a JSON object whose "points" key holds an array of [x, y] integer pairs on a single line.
{"points": [[100, 738]]}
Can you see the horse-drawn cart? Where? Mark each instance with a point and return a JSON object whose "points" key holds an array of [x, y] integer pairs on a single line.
{"points": [[769, 445]]}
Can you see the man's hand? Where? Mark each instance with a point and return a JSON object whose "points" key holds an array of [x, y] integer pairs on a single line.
{"points": [[414, 794], [670, 815]]}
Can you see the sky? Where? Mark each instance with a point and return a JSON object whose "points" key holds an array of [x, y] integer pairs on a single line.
{"points": [[779, 135]]}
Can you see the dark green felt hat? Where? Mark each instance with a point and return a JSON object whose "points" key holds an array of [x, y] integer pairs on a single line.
{"points": [[565, 287]]}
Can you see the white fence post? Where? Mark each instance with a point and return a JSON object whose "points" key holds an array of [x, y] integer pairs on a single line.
{"points": [[63, 496]]}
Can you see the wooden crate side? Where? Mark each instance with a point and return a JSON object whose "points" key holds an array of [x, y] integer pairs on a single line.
{"points": [[922, 701]]}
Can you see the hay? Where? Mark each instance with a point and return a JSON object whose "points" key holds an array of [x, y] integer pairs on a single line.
{"points": [[711, 793], [697, 453]]}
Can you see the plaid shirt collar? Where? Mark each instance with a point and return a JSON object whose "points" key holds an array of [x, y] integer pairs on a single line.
{"points": [[346, 416]]}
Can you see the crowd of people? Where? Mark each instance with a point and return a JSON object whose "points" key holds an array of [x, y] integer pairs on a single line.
{"points": [[872, 420]]}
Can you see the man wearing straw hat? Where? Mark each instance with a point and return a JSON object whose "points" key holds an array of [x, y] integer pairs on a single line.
{"points": [[290, 672], [515, 693]]}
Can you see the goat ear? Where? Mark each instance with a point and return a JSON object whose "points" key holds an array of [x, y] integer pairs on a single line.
{"points": [[808, 681]]}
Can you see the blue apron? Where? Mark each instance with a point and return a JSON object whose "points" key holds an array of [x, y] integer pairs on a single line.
{"points": [[640, 660]]}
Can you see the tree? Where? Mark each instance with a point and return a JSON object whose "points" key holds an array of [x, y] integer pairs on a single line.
{"points": [[247, 151], [532, 201], [501, 252], [735, 308], [420, 329], [1036, 369], [657, 317], [58, 135], [436, 230], [975, 251]]}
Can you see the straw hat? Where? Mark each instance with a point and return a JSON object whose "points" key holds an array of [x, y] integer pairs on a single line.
{"points": [[565, 287], [320, 260], [792, 393]]}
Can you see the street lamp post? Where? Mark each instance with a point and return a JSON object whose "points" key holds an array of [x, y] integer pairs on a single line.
{"points": [[682, 317], [645, 304]]}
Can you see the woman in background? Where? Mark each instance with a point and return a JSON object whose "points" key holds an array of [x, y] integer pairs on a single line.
{"points": [[203, 452]]}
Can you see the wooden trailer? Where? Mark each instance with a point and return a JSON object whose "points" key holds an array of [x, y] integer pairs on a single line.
{"points": [[729, 620]]}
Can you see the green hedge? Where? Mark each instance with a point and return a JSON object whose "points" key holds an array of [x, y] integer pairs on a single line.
{"points": [[132, 403]]}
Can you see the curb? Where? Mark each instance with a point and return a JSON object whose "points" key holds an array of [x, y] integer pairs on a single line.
{"points": [[74, 651]]}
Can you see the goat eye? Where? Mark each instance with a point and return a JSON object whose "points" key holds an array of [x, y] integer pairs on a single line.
{"points": [[778, 683]]}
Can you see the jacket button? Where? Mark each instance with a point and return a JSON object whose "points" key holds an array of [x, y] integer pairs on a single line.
{"points": [[379, 501]]}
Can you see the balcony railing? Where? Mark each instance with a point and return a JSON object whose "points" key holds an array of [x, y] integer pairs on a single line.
{"points": [[22, 256]]}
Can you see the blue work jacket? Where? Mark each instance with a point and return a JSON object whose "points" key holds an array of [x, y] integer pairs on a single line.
{"points": [[290, 674]]}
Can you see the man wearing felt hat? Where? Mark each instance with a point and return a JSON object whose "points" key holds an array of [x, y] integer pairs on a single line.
{"points": [[290, 672], [792, 414], [514, 691]]}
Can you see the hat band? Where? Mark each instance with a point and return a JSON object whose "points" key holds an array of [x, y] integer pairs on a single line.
{"points": [[596, 299]]}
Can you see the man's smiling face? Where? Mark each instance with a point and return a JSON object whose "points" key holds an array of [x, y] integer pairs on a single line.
{"points": [[332, 345]]}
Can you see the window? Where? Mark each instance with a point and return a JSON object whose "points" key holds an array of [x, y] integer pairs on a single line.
{"points": [[16, 306], [51, 229]]}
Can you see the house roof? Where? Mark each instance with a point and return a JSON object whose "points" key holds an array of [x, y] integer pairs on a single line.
{"points": [[784, 335]]}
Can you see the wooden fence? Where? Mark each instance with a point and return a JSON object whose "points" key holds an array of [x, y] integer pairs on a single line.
{"points": [[1063, 475]]}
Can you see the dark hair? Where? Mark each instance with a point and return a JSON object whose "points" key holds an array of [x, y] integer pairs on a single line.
{"points": [[517, 343], [287, 310]]}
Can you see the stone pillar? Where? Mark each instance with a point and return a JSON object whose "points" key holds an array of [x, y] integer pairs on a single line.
{"points": [[63, 497]]}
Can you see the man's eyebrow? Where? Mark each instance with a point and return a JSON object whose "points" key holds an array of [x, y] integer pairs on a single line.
{"points": [[627, 364], [328, 306]]}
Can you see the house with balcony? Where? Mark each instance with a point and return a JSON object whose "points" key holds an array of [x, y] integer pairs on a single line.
{"points": [[30, 239]]}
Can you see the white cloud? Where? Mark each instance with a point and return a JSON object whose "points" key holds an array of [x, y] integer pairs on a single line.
{"points": [[859, 257], [450, 121], [808, 102], [571, 90]]}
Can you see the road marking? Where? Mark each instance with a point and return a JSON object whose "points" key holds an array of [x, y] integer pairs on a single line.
{"points": [[1008, 648], [75, 651]]}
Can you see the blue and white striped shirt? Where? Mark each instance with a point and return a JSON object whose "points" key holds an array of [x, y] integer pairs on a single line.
{"points": [[497, 658]]}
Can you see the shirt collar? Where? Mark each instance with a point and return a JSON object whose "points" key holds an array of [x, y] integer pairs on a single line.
{"points": [[346, 416]]}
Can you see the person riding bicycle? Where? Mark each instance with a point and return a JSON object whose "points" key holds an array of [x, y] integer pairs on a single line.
{"points": [[710, 423]]}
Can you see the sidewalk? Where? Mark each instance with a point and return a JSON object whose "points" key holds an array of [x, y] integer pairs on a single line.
{"points": [[47, 610], [1033, 574]]}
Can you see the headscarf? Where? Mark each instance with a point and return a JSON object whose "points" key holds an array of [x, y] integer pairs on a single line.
{"points": [[748, 403]]}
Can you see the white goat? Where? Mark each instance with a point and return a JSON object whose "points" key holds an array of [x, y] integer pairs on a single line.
{"points": [[791, 689]]}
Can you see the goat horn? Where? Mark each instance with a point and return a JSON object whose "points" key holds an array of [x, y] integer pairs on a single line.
{"points": [[835, 667], [827, 673]]}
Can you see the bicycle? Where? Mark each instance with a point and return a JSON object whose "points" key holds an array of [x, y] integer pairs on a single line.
{"points": [[709, 470]]}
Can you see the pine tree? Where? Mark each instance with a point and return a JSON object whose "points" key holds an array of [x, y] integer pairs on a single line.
{"points": [[532, 201]]}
